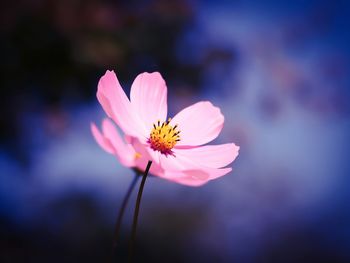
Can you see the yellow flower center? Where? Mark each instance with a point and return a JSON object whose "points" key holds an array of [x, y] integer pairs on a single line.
{"points": [[163, 137]]}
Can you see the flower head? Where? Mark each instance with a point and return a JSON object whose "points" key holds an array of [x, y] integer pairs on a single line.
{"points": [[175, 146]]}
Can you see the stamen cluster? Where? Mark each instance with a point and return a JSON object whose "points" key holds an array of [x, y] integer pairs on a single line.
{"points": [[164, 137]]}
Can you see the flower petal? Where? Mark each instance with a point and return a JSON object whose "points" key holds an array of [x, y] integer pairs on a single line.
{"points": [[199, 124], [183, 162], [101, 140], [117, 105], [124, 152], [180, 169], [216, 173], [190, 182], [189, 178], [215, 156], [196, 177], [186, 170], [148, 97]]}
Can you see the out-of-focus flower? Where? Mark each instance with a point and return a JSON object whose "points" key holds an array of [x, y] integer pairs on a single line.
{"points": [[175, 146]]}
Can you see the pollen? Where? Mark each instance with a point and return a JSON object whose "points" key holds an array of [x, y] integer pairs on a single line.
{"points": [[137, 155], [164, 137]]}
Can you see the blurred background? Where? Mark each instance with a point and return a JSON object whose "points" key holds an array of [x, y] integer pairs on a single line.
{"points": [[280, 72]]}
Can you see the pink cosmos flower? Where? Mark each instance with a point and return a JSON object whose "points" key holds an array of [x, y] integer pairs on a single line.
{"points": [[175, 146]]}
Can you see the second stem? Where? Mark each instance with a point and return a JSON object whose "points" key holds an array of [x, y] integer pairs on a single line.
{"points": [[136, 212]]}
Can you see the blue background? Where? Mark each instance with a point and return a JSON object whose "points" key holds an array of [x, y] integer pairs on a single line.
{"points": [[279, 71]]}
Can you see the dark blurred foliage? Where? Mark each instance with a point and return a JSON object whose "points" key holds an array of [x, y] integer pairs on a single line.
{"points": [[280, 71]]}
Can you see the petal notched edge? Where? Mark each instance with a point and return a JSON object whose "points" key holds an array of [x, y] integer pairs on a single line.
{"points": [[148, 96]]}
